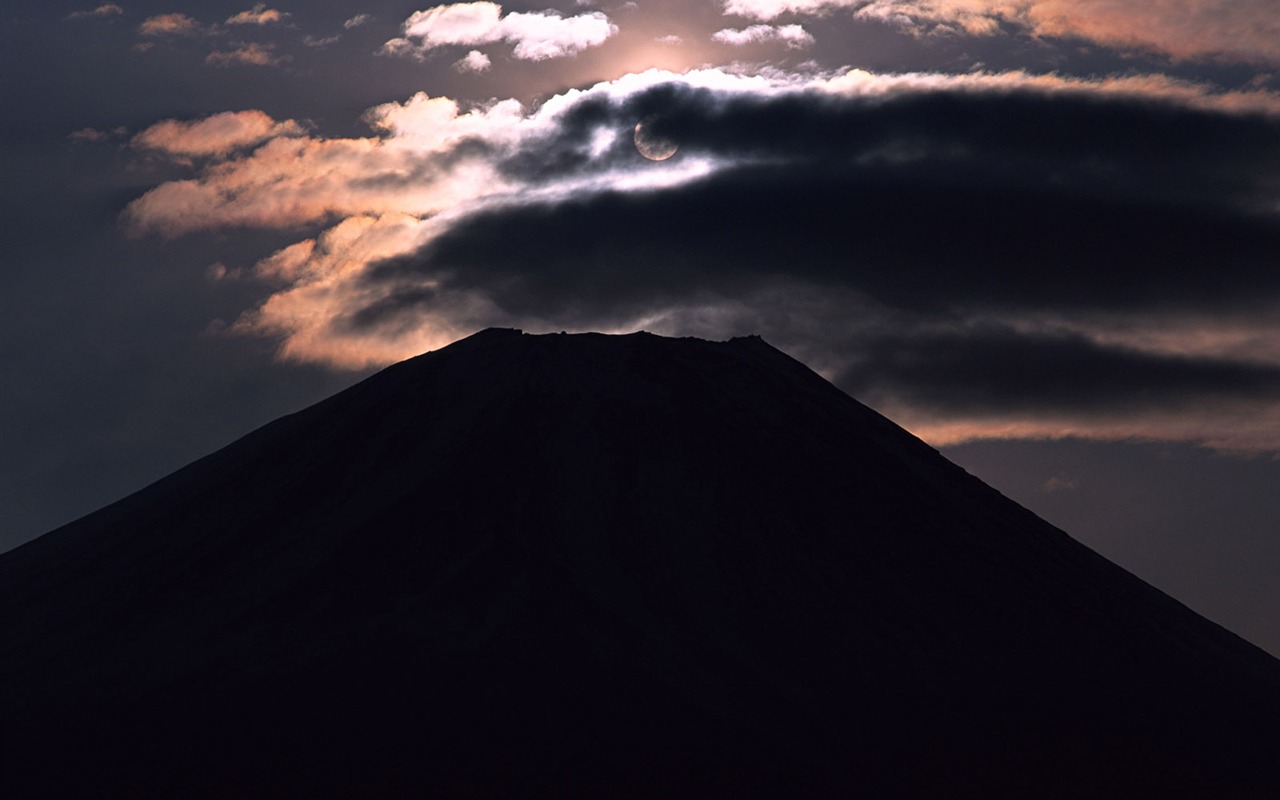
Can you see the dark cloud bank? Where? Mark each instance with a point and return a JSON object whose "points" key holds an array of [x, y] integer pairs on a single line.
{"points": [[930, 238]]}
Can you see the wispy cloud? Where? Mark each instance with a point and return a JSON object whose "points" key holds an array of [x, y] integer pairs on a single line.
{"points": [[104, 10], [357, 21], [254, 54], [1238, 30], [427, 157], [793, 36], [536, 36], [216, 135], [88, 135], [170, 25], [258, 15]]}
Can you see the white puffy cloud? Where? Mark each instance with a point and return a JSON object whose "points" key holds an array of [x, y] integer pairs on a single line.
{"points": [[474, 61], [457, 23], [772, 9], [544, 35], [536, 36], [794, 36]]}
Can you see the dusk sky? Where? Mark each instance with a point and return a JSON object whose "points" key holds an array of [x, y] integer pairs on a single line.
{"points": [[1042, 235]]}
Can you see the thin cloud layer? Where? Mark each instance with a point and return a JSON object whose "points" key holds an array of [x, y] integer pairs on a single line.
{"points": [[934, 243], [1240, 30], [104, 10], [255, 54], [536, 36]]}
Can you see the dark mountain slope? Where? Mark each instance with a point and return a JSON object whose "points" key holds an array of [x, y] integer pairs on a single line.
{"points": [[605, 566]]}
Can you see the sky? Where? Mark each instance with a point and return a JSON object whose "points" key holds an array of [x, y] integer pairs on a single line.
{"points": [[1042, 235]]}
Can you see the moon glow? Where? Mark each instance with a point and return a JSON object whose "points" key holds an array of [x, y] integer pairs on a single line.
{"points": [[652, 146]]}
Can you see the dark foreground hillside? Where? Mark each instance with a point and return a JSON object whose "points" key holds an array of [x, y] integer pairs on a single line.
{"points": [[605, 566]]}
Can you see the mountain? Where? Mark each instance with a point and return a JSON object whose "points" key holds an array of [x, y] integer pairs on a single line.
{"points": [[605, 566]]}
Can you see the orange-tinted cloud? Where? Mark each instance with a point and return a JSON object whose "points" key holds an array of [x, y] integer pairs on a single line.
{"points": [[104, 10], [375, 285], [1247, 428], [169, 25], [254, 54], [1137, 87], [321, 287], [258, 15], [409, 168], [1238, 30], [216, 135]]}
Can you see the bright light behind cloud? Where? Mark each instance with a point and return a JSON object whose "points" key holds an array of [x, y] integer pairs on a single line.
{"points": [[431, 168]]}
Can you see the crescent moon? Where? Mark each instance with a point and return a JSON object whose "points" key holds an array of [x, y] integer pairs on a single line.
{"points": [[652, 146]]}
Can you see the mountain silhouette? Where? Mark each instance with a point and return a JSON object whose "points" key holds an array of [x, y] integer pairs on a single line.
{"points": [[605, 566]]}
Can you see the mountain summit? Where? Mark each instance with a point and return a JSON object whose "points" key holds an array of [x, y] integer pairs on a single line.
{"points": [[605, 566]]}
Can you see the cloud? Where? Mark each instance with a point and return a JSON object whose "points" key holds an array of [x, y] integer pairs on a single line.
{"points": [[104, 10], [90, 135], [258, 15], [357, 21], [1060, 483], [794, 36], [169, 25], [251, 54], [217, 135], [537, 36], [772, 9], [474, 61], [1238, 30], [428, 157], [983, 255]]}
